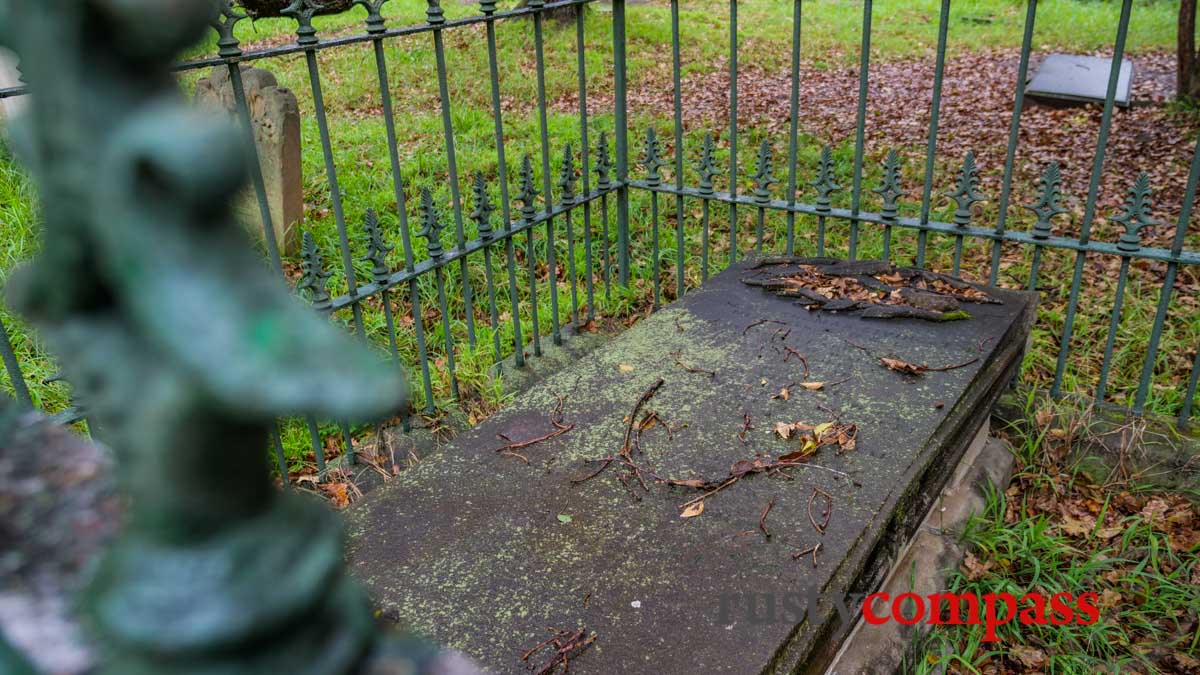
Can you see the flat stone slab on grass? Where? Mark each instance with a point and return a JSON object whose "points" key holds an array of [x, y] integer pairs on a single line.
{"points": [[1070, 77], [482, 551]]}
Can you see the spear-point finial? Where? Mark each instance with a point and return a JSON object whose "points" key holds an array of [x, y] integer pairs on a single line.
{"points": [[653, 160], [431, 222], [889, 188], [377, 247], [1135, 214], [1047, 205], [763, 179], [314, 279], [603, 163], [375, 22], [303, 12], [224, 22], [482, 215], [528, 193], [488, 7], [434, 14], [707, 167], [967, 193], [825, 182], [566, 176]]}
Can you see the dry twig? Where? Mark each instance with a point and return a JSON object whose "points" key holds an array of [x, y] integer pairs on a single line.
{"points": [[566, 643], [555, 421], [690, 369], [820, 526], [762, 520]]}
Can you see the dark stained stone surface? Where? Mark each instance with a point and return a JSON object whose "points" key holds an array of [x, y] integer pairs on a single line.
{"points": [[468, 547]]}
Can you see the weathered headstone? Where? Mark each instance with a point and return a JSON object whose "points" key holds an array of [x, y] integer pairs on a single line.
{"points": [[275, 115], [10, 76], [502, 534]]}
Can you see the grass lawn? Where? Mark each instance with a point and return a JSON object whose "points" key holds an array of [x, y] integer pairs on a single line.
{"points": [[1058, 529], [905, 32]]}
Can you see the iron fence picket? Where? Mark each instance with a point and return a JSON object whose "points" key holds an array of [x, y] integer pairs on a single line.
{"points": [[431, 231], [764, 178], [566, 186], [733, 129], [229, 48], [935, 110], [435, 16], [586, 167], [621, 124], [318, 447], [482, 215], [489, 10], [677, 81], [653, 162], [547, 194], [1168, 286], [860, 123], [376, 26], [707, 171], [529, 218], [793, 125], [1185, 413], [603, 185], [280, 456], [1014, 129], [13, 367], [1089, 213]]}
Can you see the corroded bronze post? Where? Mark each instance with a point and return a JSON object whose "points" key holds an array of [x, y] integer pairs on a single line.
{"points": [[187, 349]]}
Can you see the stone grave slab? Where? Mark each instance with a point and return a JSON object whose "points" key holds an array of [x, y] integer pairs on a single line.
{"points": [[483, 551], [1070, 77]]}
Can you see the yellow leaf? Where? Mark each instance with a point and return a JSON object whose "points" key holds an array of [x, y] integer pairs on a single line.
{"points": [[625, 368], [693, 510], [820, 429]]}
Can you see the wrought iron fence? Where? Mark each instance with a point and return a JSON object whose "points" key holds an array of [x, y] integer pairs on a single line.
{"points": [[591, 188]]}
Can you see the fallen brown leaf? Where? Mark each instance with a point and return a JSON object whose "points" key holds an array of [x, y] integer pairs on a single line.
{"points": [[903, 367]]}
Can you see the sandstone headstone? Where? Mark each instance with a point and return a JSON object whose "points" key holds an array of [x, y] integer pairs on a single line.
{"points": [[275, 116], [10, 77]]}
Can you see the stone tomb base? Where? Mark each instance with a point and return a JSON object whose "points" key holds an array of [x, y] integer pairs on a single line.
{"points": [[482, 550]]}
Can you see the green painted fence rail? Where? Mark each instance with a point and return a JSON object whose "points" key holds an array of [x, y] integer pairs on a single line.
{"points": [[569, 191]]}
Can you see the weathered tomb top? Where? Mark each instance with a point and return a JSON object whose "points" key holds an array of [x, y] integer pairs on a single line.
{"points": [[482, 551]]}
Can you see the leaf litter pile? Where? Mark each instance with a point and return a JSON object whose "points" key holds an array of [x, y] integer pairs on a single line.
{"points": [[876, 289]]}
